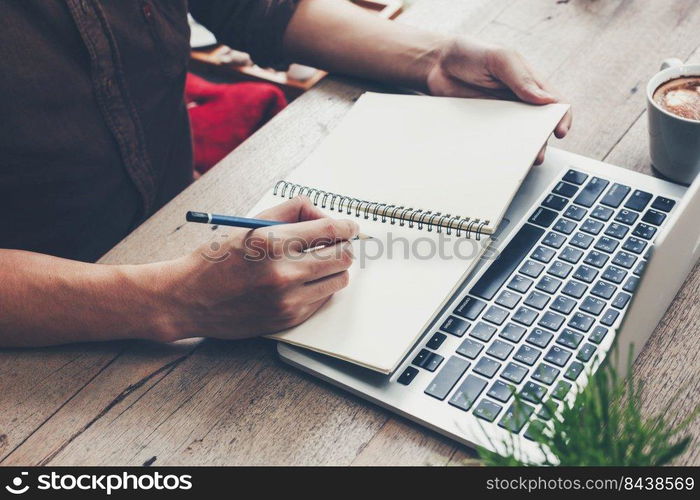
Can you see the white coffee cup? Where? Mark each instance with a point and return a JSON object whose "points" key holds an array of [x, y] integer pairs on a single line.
{"points": [[674, 141]]}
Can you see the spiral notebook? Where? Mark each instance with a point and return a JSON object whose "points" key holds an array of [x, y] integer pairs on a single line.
{"points": [[429, 178]]}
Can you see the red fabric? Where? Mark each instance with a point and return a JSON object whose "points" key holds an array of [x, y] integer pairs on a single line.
{"points": [[224, 115]]}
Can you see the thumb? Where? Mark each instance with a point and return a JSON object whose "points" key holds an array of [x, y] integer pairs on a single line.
{"points": [[511, 69]]}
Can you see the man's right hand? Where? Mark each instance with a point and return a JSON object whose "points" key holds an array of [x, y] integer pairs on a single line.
{"points": [[251, 283]]}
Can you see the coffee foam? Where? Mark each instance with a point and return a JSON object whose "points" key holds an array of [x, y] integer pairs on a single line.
{"points": [[680, 96]]}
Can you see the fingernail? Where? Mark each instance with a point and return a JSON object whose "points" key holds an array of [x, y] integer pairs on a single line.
{"points": [[542, 93]]}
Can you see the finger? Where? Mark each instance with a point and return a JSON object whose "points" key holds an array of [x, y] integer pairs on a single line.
{"points": [[564, 125], [325, 287], [315, 233], [511, 69], [297, 209], [325, 261], [308, 310], [540, 156]]}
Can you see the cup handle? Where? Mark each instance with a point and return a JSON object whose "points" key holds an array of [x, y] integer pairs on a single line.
{"points": [[671, 63]]}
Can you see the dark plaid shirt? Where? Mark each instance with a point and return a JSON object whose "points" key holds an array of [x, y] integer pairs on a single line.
{"points": [[94, 134]]}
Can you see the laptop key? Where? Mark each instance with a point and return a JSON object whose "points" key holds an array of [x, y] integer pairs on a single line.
{"points": [[470, 308], [598, 334], [575, 212], [617, 230], [602, 213], [644, 231], [596, 258], [621, 300], [447, 377], [408, 375], [455, 326], [500, 391], [574, 370], [569, 338], [571, 255], [557, 356], [565, 189], [508, 260], [500, 350], [593, 306], [661, 203], [606, 244], [586, 352], [631, 284], [514, 372], [495, 315], [543, 254], [581, 322], [638, 200], [512, 332], [516, 416], [551, 320], [545, 374], [555, 202], [539, 337], [483, 331], [563, 305], [487, 367], [575, 177], [615, 195], [548, 284], [591, 226], [640, 267], [585, 273], [609, 317], [487, 410], [564, 226], [470, 348], [561, 390], [543, 217], [520, 283], [560, 269], [554, 240], [533, 392], [627, 217], [508, 299], [624, 259], [436, 341], [527, 355], [428, 360], [535, 430], [524, 316], [548, 409], [531, 268], [574, 289], [603, 290], [590, 193], [581, 240], [654, 217], [468, 392], [614, 274]]}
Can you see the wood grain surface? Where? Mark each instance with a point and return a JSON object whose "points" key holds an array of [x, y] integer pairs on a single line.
{"points": [[224, 403]]}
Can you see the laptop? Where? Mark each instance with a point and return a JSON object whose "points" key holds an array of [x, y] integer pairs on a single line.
{"points": [[584, 245]]}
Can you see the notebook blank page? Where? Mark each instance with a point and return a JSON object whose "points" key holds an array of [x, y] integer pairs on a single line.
{"points": [[456, 156]]}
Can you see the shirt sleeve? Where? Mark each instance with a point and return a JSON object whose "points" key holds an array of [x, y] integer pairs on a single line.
{"points": [[254, 26]]}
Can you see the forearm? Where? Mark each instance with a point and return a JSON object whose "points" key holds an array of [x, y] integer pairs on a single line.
{"points": [[46, 300], [339, 36]]}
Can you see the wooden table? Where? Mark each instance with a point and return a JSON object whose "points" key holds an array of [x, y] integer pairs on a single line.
{"points": [[215, 402]]}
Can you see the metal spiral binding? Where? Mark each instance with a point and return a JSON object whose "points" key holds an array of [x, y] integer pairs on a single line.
{"points": [[415, 217]]}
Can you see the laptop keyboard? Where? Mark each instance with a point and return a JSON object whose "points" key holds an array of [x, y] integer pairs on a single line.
{"points": [[533, 321]]}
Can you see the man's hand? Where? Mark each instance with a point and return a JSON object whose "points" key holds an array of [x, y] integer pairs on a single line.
{"points": [[468, 68], [256, 282]]}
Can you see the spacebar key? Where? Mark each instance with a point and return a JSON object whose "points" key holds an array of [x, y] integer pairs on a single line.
{"points": [[510, 258]]}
